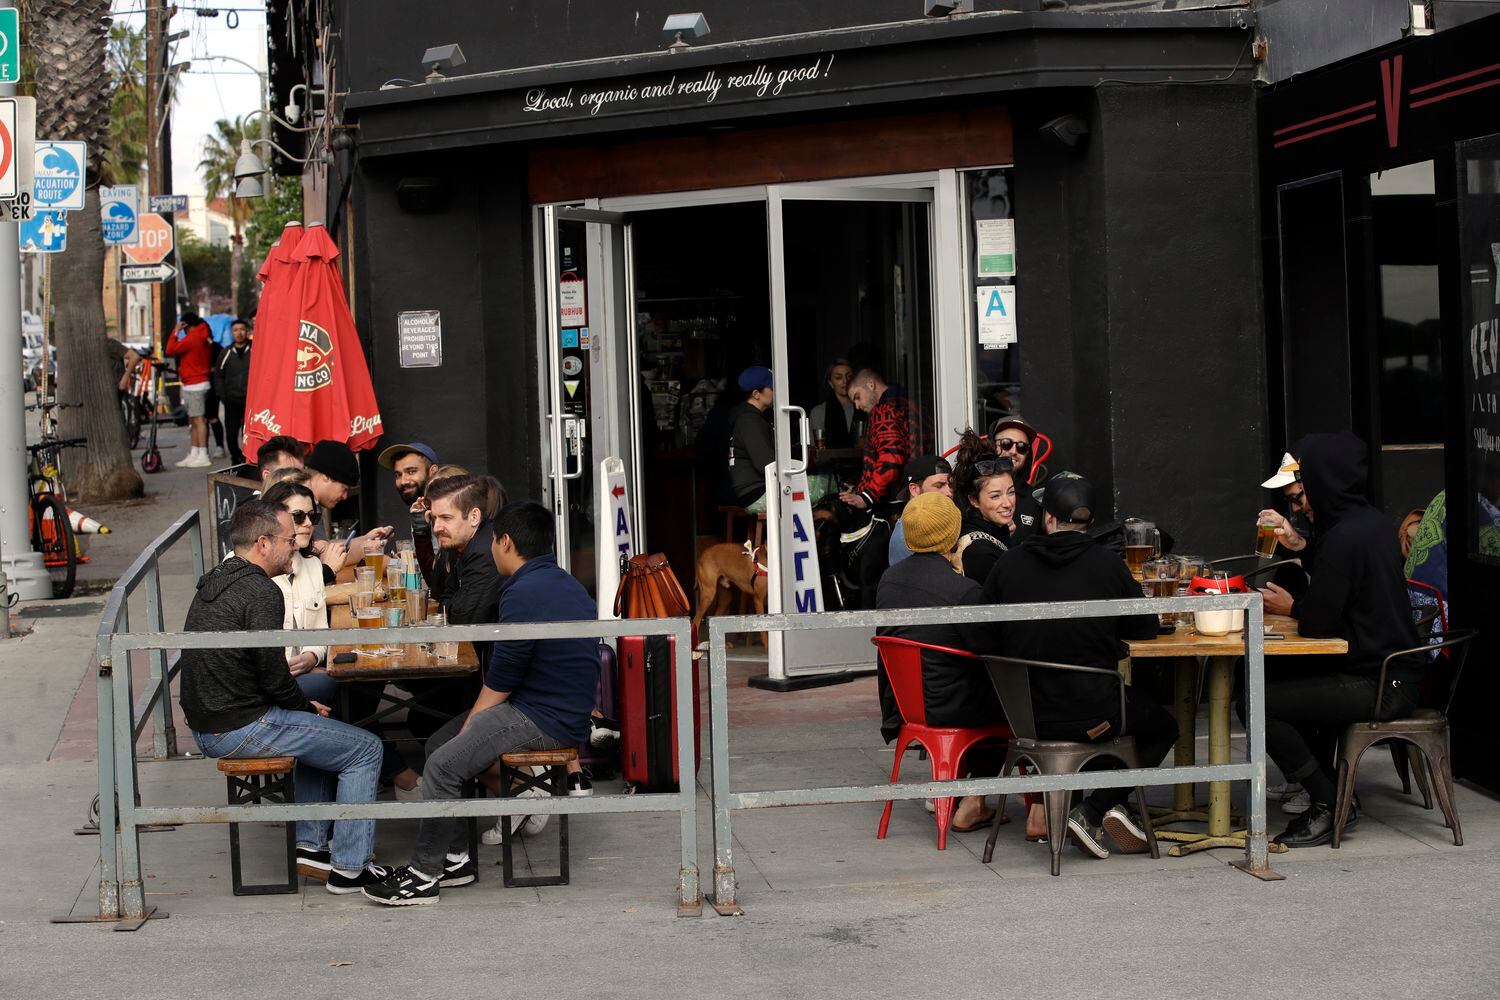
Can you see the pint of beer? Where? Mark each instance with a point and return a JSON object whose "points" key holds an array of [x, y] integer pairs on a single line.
{"points": [[1142, 542], [369, 618], [1265, 539]]}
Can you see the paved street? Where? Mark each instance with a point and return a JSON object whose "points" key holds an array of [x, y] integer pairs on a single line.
{"points": [[830, 910]]}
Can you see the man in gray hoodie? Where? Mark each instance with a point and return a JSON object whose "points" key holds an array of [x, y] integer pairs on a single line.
{"points": [[242, 702]]}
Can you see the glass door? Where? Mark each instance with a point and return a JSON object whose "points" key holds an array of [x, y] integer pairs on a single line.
{"points": [[851, 282], [589, 391]]}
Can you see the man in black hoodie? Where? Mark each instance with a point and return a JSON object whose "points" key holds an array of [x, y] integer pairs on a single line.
{"points": [[242, 702], [232, 384], [1358, 594], [1065, 564], [751, 446]]}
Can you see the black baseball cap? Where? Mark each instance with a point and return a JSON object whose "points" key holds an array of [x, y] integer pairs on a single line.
{"points": [[919, 468], [1068, 497]]}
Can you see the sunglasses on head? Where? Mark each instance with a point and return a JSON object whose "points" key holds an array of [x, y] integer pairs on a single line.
{"points": [[1006, 444], [994, 466], [301, 517]]}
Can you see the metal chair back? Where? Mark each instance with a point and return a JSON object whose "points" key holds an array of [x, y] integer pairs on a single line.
{"points": [[1457, 643]]}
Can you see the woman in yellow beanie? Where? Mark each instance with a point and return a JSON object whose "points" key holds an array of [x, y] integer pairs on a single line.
{"points": [[956, 691]]}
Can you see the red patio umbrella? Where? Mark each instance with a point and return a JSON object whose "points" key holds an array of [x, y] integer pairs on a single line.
{"points": [[317, 385], [275, 323]]}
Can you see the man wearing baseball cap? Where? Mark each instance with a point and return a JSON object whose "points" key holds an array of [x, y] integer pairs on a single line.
{"points": [[1295, 532], [1066, 564], [1015, 439], [751, 447], [413, 463], [924, 474]]}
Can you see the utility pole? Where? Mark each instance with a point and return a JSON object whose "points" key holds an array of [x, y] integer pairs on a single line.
{"points": [[159, 134]]}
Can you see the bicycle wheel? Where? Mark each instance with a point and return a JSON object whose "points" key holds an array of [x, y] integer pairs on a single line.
{"points": [[52, 536], [131, 408]]}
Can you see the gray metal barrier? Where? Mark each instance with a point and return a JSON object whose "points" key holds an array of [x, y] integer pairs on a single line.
{"points": [[726, 800], [121, 720]]}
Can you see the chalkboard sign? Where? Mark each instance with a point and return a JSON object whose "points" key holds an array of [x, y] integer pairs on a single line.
{"points": [[226, 491], [1479, 220]]}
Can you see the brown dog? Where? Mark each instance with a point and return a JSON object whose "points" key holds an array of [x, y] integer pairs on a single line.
{"points": [[725, 568]]}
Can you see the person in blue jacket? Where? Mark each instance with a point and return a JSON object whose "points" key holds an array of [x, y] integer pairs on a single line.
{"points": [[537, 695]]}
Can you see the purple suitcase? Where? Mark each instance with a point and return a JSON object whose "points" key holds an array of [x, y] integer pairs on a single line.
{"points": [[603, 764]]}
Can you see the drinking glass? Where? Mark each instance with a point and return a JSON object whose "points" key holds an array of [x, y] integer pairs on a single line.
{"points": [[416, 604], [442, 650], [369, 618], [1265, 539], [1159, 579], [405, 546], [375, 559], [395, 581], [1142, 542], [361, 601], [364, 579], [392, 619]]}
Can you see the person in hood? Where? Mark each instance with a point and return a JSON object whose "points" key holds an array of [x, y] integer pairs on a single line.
{"points": [[751, 448], [1358, 594], [1066, 564], [1295, 535], [232, 386], [242, 702]]}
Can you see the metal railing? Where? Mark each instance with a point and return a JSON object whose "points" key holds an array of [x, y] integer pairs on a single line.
{"points": [[155, 705], [725, 800], [121, 720]]}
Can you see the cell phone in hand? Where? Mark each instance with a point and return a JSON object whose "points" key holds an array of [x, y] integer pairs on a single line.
{"points": [[345, 658]]}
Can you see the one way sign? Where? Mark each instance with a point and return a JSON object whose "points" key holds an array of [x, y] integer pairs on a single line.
{"points": [[137, 273]]}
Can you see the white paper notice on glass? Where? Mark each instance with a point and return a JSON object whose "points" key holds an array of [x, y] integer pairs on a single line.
{"points": [[996, 242], [997, 315]]}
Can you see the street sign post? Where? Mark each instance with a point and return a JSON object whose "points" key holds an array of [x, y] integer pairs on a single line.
{"points": [[167, 203], [10, 170], [150, 258], [118, 210], [17, 138], [45, 232], [10, 45], [58, 175]]}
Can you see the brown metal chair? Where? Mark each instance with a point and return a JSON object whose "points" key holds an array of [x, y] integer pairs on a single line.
{"points": [[1426, 730], [1012, 681]]}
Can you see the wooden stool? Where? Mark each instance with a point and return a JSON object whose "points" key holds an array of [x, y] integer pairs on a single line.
{"points": [[252, 780], [516, 777], [755, 525]]}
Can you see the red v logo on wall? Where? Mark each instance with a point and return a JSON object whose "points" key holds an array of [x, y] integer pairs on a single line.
{"points": [[1390, 94]]}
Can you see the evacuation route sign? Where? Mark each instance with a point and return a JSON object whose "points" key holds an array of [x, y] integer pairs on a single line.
{"points": [[57, 175], [119, 208]]}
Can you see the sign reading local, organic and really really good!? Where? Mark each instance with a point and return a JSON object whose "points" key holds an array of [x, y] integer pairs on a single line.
{"points": [[758, 82], [419, 338]]}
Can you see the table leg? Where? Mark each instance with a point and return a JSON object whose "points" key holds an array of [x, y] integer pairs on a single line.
{"points": [[1220, 832], [1184, 809]]}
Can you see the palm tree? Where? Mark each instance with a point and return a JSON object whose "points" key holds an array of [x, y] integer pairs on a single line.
{"points": [[221, 148], [73, 91], [125, 159]]}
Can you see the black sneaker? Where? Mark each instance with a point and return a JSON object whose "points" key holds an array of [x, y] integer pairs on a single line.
{"points": [[603, 732], [1089, 837], [1122, 829], [579, 784], [342, 885], [403, 887], [314, 864], [456, 873]]}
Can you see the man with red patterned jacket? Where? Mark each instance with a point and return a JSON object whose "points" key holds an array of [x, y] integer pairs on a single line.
{"points": [[889, 441]]}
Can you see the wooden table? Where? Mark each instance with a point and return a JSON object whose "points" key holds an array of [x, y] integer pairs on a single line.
{"points": [[1218, 655], [409, 663]]}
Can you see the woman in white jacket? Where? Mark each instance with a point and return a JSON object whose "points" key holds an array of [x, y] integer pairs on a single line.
{"points": [[302, 589]]}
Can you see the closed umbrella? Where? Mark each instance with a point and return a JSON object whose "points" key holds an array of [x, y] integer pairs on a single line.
{"points": [[275, 323], [325, 394]]}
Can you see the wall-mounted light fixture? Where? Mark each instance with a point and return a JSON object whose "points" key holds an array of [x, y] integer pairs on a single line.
{"points": [[440, 58], [680, 29]]}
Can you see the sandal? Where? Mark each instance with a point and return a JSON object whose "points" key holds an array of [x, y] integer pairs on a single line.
{"points": [[978, 825]]}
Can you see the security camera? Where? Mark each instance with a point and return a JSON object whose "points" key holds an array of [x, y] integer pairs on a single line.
{"points": [[1069, 130], [679, 29], [442, 57], [946, 8]]}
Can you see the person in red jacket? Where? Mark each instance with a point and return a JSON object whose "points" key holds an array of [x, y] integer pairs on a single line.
{"points": [[889, 440], [191, 343]]}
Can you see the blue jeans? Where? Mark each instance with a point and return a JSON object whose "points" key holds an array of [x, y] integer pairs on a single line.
{"points": [[327, 752]]}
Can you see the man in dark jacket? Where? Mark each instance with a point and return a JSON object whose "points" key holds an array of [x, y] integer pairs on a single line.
{"points": [[956, 691], [1358, 594], [537, 695], [751, 446], [1065, 564], [232, 384], [243, 703]]}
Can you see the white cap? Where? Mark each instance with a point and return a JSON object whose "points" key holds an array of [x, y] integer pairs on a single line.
{"points": [[1286, 475]]}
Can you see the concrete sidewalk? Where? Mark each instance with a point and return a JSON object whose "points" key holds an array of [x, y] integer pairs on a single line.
{"points": [[830, 910]]}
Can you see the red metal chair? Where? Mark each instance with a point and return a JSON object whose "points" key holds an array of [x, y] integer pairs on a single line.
{"points": [[945, 746]]}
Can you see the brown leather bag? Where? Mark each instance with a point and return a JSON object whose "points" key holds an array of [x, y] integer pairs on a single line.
{"points": [[649, 589]]}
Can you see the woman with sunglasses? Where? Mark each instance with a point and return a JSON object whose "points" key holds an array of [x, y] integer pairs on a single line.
{"points": [[1015, 439], [302, 589]]}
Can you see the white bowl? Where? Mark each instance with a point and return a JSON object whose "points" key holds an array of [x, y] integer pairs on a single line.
{"points": [[1215, 622]]}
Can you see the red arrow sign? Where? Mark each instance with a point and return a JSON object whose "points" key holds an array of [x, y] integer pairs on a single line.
{"points": [[617, 491]]}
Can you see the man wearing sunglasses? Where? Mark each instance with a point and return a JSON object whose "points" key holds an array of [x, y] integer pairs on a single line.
{"points": [[1014, 438]]}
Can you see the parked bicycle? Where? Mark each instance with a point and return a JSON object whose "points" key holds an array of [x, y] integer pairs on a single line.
{"points": [[139, 402], [54, 525]]}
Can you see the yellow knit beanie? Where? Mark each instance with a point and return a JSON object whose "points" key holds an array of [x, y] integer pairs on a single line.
{"points": [[930, 523]]}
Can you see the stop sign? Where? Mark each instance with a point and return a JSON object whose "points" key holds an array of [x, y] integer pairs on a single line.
{"points": [[156, 240]]}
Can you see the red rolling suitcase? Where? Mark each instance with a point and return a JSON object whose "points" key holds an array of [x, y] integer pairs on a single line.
{"points": [[648, 730]]}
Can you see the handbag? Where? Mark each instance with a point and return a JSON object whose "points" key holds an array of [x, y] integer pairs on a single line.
{"points": [[649, 589]]}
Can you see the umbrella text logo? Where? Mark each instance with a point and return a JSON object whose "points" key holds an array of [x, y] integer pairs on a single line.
{"points": [[314, 358]]}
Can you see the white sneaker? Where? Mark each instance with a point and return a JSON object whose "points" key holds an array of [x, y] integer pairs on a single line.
{"points": [[197, 459], [403, 795], [1283, 790], [524, 826], [1297, 804], [189, 460]]}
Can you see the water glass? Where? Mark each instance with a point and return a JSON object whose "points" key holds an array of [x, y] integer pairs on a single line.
{"points": [[364, 579], [416, 604], [360, 602], [442, 650]]}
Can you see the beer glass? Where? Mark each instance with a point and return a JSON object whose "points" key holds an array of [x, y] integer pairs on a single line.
{"points": [[1265, 538], [361, 601], [375, 559], [395, 581], [369, 618], [1159, 579], [1142, 542], [364, 580], [393, 617], [416, 604]]}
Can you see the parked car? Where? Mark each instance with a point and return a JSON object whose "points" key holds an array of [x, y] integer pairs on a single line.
{"points": [[31, 350]]}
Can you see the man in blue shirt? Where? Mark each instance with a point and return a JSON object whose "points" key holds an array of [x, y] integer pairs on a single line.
{"points": [[924, 474], [537, 695]]}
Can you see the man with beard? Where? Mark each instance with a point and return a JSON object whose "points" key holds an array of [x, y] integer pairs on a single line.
{"points": [[413, 464]]}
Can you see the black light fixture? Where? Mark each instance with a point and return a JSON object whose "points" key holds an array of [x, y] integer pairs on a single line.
{"points": [[679, 28], [442, 57], [947, 8], [1069, 130]]}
